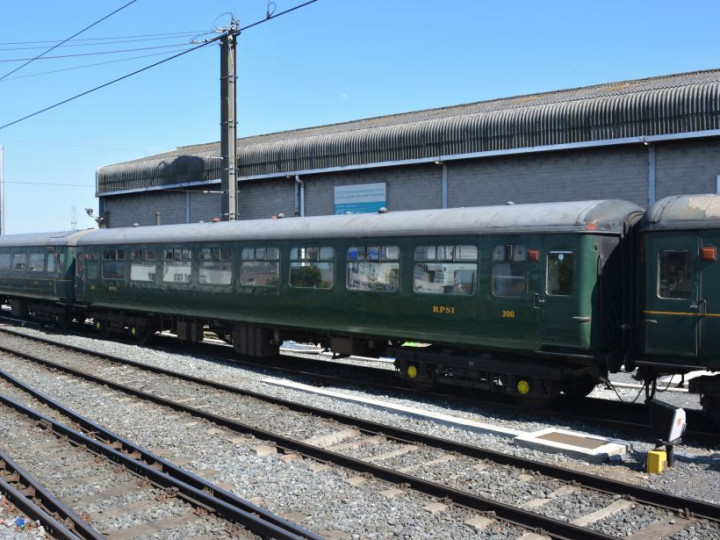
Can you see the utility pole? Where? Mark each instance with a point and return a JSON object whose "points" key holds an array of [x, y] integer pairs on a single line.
{"points": [[228, 120], [2, 190]]}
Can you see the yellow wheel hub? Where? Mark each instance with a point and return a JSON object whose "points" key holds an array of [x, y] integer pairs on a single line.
{"points": [[412, 372], [523, 387]]}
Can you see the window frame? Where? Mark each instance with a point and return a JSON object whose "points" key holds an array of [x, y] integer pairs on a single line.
{"points": [[563, 252], [257, 256], [23, 264], [689, 267], [448, 259], [380, 256], [116, 258], [218, 256], [514, 258], [139, 257], [311, 257], [180, 257]]}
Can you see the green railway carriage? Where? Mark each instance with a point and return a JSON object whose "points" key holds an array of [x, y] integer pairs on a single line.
{"points": [[36, 274], [522, 298], [680, 291]]}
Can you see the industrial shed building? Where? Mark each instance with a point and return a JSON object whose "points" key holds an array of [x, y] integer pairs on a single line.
{"points": [[637, 140]]}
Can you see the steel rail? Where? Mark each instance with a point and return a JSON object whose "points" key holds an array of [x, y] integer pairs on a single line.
{"points": [[41, 504], [256, 519], [645, 495], [523, 518], [557, 409]]}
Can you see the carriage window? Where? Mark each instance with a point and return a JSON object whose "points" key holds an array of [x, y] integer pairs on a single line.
{"points": [[215, 266], [19, 262], [674, 274], [61, 263], [312, 267], [37, 262], [260, 267], [92, 265], [445, 269], [51, 259], [113, 266], [375, 268], [559, 273], [142, 265], [177, 265], [509, 270], [5, 259]]}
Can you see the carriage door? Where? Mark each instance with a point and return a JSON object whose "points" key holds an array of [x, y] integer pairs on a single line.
{"points": [[512, 320], [564, 318], [709, 298], [671, 306]]}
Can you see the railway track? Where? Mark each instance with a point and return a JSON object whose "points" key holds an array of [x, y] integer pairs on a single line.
{"points": [[404, 458], [620, 417], [617, 416], [109, 492]]}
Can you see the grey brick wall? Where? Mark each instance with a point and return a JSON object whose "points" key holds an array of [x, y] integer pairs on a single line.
{"points": [[687, 167], [619, 172], [257, 200], [608, 173]]}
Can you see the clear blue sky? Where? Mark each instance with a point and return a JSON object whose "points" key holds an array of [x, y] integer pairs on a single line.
{"points": [[332, 61]]}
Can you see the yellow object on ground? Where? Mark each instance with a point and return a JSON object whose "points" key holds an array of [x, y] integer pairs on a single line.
{"points": [[657, 461]]}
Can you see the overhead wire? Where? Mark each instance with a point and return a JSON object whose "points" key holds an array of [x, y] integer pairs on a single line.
{"points": [[178, 34], [68, 100], [8, 46], [136, 72], [66, 40], [97, 53], [94, 64]]}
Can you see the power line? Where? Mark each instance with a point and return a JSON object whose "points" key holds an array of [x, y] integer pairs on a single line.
{"points": [[50, 184], [68, 39], [98, 53], [7, 46], [203, 44], [166, 34], [95, 64], [107, 84]]}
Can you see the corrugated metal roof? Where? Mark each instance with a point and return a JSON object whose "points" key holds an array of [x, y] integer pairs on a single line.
{"points": [[682, 103], [605, 216], [684, 212]]}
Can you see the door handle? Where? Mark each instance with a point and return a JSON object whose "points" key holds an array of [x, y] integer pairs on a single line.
{"points": [[537, 301], [702, 308]]}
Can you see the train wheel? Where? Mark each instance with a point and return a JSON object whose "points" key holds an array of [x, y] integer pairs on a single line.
{"points": [[102, 329], [711, 407], [529, 399], [421, 383], [581, 387], [62, 321], [139, 334]]}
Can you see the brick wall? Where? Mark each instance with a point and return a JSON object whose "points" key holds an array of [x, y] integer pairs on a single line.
{"points": [[687, 167]]}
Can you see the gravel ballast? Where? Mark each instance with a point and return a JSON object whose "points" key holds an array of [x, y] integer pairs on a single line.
{"points": [[694, 475]]}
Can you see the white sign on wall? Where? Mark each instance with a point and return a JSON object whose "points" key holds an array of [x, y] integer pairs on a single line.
{"points": [[360, 198]]}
